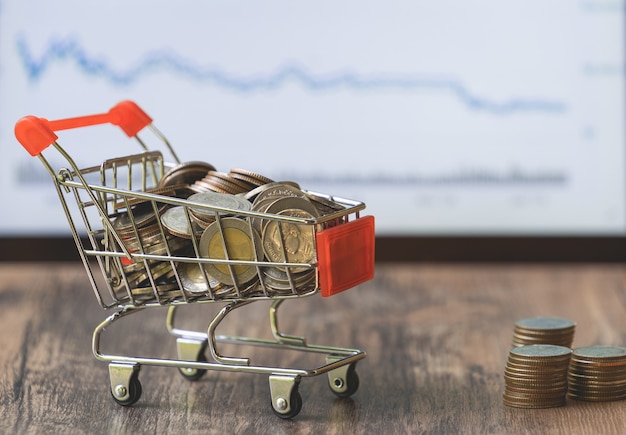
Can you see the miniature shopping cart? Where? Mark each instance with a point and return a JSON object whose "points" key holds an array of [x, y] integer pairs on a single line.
{"points": [[159, 237]]}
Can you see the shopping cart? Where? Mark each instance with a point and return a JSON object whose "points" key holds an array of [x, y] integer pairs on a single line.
{"points": [[159, 237]]}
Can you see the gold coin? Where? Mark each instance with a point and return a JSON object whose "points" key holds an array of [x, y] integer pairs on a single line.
{"points": [[194, 281], [231, 239], [290, 242]]}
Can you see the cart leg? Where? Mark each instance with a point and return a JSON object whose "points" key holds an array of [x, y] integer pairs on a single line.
{"points": [[125, 385], [213, 341], [343, 381], [286, 400], [279, 336], [191, 350]]}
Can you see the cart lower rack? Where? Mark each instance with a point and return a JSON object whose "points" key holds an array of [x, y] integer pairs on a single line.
{"points": [[154, 234]]}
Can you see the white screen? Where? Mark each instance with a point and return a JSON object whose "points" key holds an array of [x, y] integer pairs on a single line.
{"points": [[446, 117]]}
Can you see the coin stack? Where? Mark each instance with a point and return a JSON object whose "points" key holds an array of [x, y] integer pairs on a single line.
{"points": [[185, 174], [234, 182], [536, 376], [544, 330], [597, 373], [139, 230], [286, 242]]}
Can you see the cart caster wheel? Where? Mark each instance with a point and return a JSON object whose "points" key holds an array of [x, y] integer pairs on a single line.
{"points": [[290, 409], [344, 381], [191, 350], [125, 393], [286, 400], [193, 374]]}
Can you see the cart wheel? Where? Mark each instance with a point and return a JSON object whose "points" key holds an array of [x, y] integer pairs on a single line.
{"points": [[293, 407], [125, 386], [344, 382], [286, 400], [193, 374], [131, 396], [191, 350]]}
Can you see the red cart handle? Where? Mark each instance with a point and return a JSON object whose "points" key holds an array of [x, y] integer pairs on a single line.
{"points": [[36, 134]]}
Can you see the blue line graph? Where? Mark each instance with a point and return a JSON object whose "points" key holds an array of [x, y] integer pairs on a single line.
{"points": [[70, 50]]}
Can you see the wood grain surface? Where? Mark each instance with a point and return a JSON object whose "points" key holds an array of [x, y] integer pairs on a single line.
{"points": [[436, 337]]}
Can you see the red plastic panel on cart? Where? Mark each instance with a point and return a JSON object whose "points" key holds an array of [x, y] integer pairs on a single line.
{"points": [[345, 255]]}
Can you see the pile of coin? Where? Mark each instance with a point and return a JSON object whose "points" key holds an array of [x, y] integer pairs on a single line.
{"points": [[185, 174], [215, 218], [285, 242], [139, 230], [597, 373], [544, 330], [536, 376], [203, 177]]}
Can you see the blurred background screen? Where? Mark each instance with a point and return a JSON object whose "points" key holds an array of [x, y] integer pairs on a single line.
{"points": [[446, 118]]}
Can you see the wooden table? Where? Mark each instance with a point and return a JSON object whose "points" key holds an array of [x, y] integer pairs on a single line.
{"points": [[436, 336]]}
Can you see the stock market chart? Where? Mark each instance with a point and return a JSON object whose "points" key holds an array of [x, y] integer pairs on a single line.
{"points": [[445, 118]]}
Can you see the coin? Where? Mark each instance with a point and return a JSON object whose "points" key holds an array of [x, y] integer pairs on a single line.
{"points": [[325, 205], [538, 352], [600, 353], [175, 221], [249, 176], [279, 280], [290, 242], [534, 404], [544, 330], [219, 200], [231, 239], [535, 376], [254, 193], [194, 281], [139, 216], [185, 173], [597, 373], [277, 189], [226, 182]]}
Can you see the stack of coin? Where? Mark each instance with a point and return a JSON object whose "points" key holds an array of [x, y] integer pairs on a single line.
{"points": [[215, 181], [139, 230], [204, 217], [283, 241], [276, 197], [185, 174], [597, 373], [252, 179], [536, 376], [544, 330]]}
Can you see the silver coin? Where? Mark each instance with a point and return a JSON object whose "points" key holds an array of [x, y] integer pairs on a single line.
{"points": [[221, 200], [600, 352], [175, 220], [544, 323], [541, 351]]}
